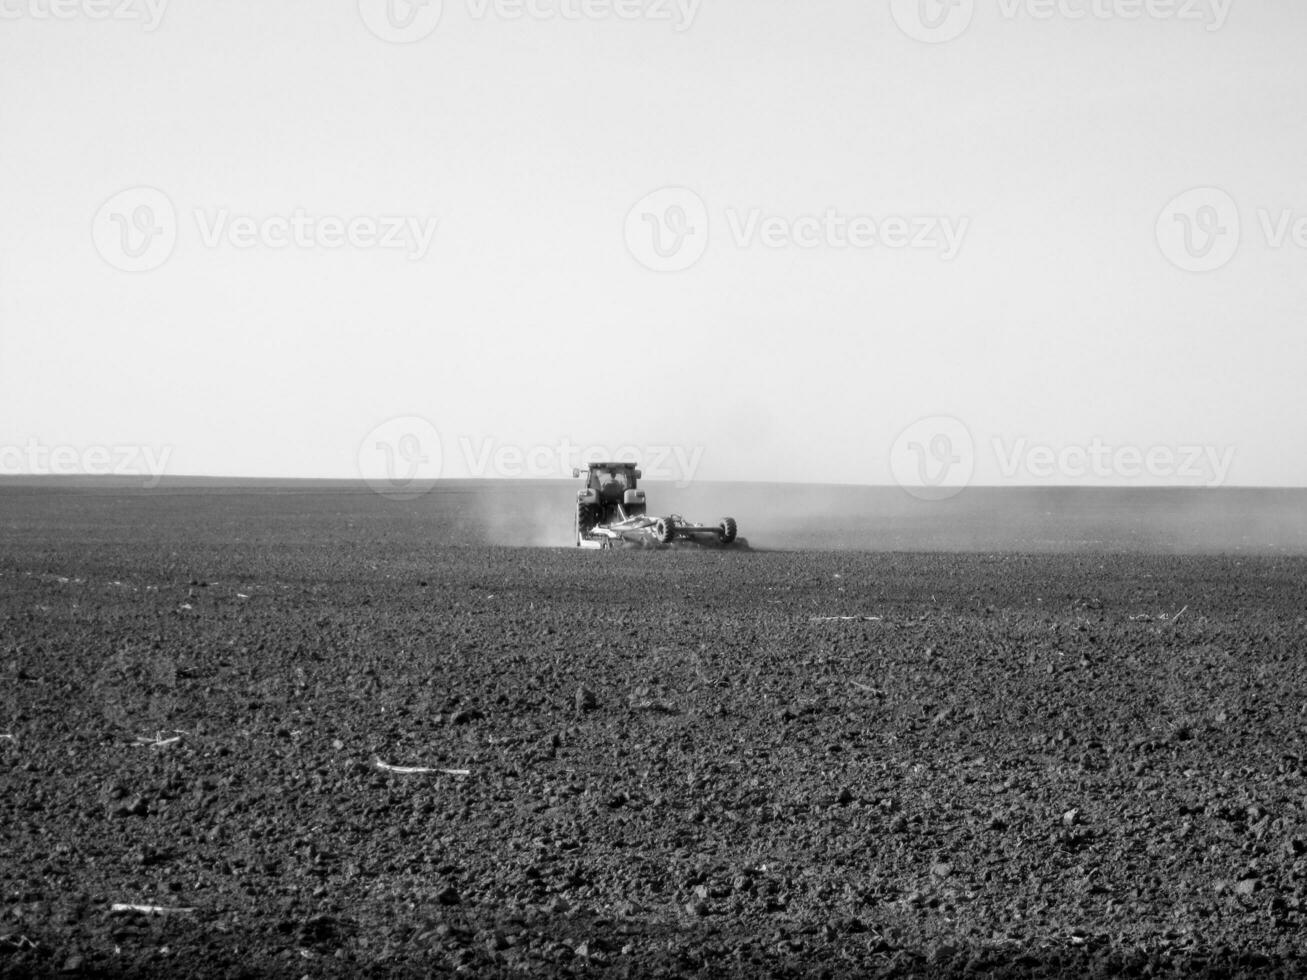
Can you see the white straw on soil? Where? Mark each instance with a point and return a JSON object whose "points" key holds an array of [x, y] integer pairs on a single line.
{"points": [[418, 770], [157, 743], [120, 908]]}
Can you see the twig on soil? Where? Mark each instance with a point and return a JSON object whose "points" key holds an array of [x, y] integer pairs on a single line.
{"points": [[119, 908], [846, 619], [6, 737], [1161, 617], [418, 770], [866, 687], [159, 741]]}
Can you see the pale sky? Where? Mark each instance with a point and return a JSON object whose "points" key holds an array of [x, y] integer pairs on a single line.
{"points": [[1036, 300]]}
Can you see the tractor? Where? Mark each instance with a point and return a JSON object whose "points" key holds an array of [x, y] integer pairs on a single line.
{"points": [[611, 510]]}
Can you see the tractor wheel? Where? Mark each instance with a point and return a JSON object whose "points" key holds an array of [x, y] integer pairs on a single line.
{"points": [[665, 530], [586, 519], [726, 533]]}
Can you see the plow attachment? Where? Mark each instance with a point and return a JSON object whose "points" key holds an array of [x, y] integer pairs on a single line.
{"points": [[655, 532]]}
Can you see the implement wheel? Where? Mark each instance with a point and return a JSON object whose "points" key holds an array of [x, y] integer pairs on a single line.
{"points": [[665, 530], [727, 531]]}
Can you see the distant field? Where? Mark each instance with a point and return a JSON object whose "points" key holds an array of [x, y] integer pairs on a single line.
{"points": [[771, 516]]}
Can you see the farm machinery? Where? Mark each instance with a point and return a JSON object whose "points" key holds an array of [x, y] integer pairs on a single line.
{"points": [[611, 511]]}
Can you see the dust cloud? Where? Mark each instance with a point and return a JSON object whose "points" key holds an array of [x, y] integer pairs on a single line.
{"points": [[1030, 519]]}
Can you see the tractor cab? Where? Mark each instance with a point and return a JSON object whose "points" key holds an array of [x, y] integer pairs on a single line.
{"points": [[611, 488]]}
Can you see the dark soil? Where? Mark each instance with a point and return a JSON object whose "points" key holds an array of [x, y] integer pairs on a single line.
{"points": [[679, 762]]}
